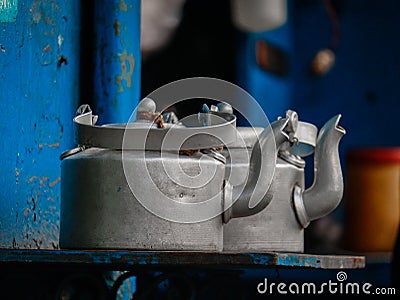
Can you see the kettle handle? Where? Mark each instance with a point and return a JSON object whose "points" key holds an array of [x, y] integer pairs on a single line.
{"points": [[257, 187]]}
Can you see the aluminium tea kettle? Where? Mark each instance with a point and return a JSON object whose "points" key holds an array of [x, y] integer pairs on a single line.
{"points": [[108, 199]]}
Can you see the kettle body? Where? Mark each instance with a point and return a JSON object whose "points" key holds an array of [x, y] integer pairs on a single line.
{"points": [[276, 227], [99, 211]]}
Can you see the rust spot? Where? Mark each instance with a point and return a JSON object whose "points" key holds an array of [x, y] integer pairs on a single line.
{"points": [[188, 152], [47, 48], [42, 180], [53, 183], [32, 179], [55, 145], [117, 26], [36, 14], [17, 173], [125, 74], [123, 6], [160, 121], [44, 11], [26, 212]]}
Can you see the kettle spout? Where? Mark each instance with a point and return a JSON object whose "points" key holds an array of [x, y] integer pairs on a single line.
{"points": [[326, 191]]}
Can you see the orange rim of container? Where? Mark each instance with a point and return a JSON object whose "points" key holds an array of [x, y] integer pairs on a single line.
{"points": [[374, 155]]}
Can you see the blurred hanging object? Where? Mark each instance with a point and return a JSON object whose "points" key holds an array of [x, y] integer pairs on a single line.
{"points": [[159, 19], [259, 15], [271, 58], [324, 60]]}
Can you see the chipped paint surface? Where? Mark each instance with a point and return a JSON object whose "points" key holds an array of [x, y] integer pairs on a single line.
{"points": [[38, 220], [296, 260], [53, 183], [44, 11], [260, 259], [127, 67], [36, 122], [117, 28], [117, 62], [56, 145], [60, 40], [8, 10], [122, 5]]}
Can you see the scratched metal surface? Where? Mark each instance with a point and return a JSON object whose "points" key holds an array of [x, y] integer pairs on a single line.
{"points": [[39, 64], [117, 59], [124, 260]]}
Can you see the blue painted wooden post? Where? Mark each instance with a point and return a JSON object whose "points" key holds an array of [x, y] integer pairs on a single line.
{"points": [[117, 60], [39, 80]]}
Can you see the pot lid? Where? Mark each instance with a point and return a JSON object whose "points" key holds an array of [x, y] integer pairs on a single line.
{"points": [[218, 131]]}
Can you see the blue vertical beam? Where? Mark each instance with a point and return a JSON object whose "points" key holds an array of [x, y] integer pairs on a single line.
{"points": [[117, 58], [39, 77]]}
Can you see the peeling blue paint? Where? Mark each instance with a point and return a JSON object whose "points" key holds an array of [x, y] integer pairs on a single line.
{"points": [[38, 102], [8, 10], [261, 259], [117, 59], [298, 260], [287, 260]]}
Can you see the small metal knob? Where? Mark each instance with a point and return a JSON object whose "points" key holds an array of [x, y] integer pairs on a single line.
{"points": [[224, 107], [147, 105]]}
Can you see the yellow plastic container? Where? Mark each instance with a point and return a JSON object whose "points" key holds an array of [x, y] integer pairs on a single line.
{"points": [[372, 199]]}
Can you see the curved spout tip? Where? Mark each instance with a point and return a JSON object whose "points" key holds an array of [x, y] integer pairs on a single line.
{"points": [[332, 125], [326, 191], [337, 126]]}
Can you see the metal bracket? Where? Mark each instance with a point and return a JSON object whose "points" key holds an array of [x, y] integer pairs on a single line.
{"points": [[227, 202], [214, 154], [299, 207]]}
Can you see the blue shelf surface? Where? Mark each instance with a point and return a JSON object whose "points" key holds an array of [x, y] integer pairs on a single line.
{"points": [[122, 260]]}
